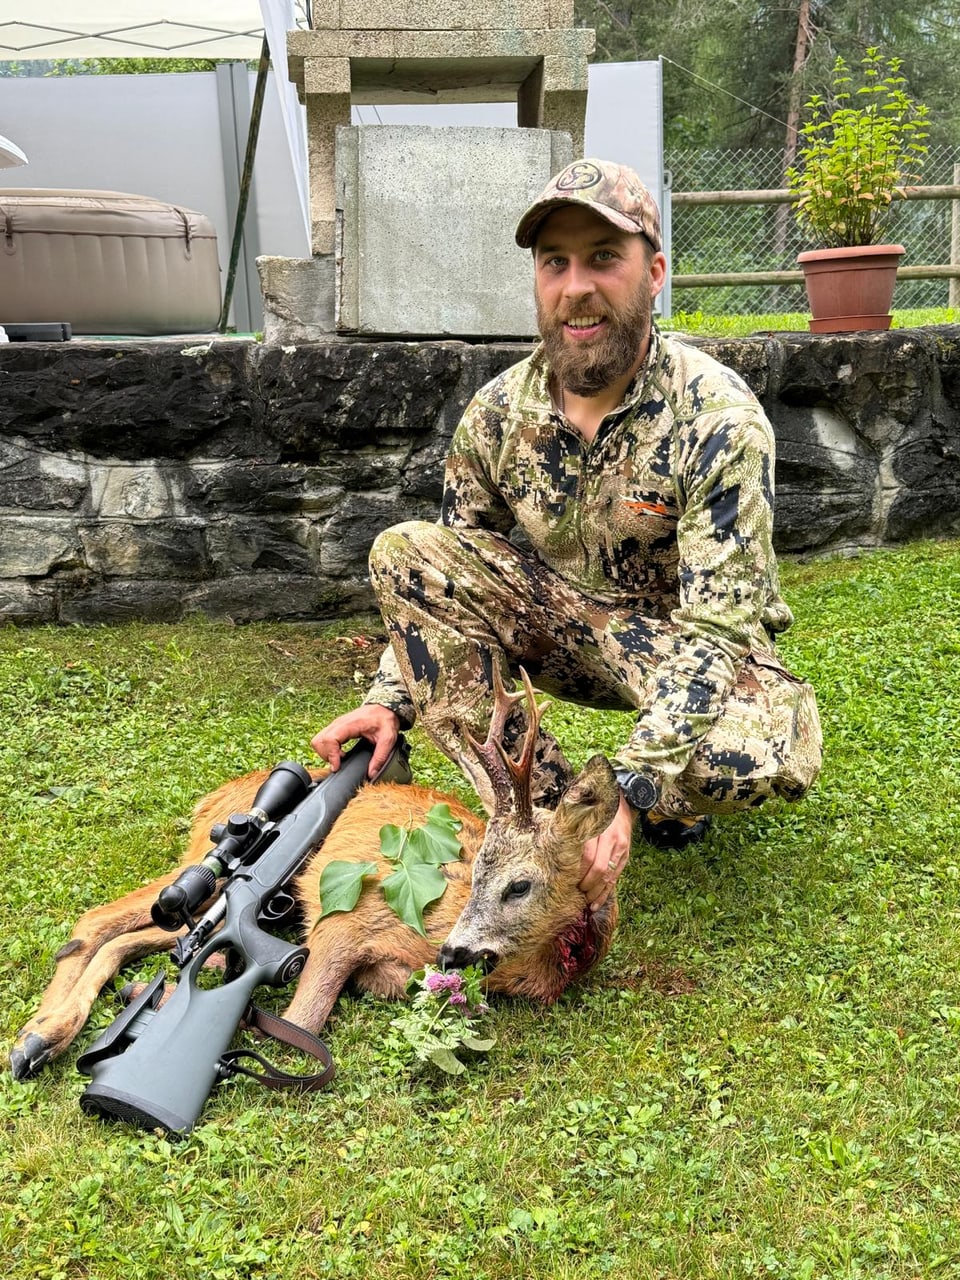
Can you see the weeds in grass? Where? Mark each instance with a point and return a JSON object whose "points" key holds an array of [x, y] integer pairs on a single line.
{"points": [[761, 1080]]}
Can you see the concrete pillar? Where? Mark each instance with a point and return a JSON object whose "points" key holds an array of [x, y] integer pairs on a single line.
{"points": [[326, 92], [554, 97]]}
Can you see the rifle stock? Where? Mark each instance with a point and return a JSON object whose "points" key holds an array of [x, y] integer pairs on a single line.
{"points": [[156, 1064]]}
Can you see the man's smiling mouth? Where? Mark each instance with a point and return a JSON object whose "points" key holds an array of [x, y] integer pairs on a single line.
{"points": [[584, 325]]}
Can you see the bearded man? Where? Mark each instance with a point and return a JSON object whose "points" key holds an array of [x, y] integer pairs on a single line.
{"points": [[606, 524]]}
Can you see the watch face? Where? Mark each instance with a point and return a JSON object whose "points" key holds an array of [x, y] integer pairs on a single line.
{"points": [[641, 792]]}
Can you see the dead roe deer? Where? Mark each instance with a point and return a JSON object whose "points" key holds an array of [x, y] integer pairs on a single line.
{"points": [[512, 902]]}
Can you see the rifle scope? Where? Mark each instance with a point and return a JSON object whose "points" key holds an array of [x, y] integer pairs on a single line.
{"points": [[284, 787]]}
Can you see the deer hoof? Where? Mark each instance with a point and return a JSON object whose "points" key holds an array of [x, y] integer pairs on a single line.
{"points": [[27, 1058]]}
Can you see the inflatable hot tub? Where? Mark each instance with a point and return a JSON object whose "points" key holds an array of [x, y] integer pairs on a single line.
{"points": [[107, 263]]}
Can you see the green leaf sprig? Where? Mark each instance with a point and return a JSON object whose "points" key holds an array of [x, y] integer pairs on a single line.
{"points": [[417, 854], [858, 151], [442, 1016]]}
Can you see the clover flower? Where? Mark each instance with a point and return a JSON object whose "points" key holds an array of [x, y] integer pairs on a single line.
{"points": [[441, 1017], [436, 980]]}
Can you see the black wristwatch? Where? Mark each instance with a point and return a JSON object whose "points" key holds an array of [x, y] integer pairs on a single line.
{"points": [[641, 792]]}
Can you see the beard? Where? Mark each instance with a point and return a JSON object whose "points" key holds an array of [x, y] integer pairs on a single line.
{"points": [[586, 369]]}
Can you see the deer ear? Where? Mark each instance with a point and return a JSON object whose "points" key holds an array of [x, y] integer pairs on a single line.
{"points": [[589, 804]]}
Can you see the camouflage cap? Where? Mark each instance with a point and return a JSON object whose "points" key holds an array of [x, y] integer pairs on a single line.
{"points": [[610, 190]]}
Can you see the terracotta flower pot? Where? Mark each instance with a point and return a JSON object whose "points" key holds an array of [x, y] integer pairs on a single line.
{"points": [[851, 288]]}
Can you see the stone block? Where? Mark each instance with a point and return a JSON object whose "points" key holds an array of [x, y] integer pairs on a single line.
{"points": [[345, 541], [24, 605], [34, 546], [240, 544], [131, 400], [325, 113], [302, 45], [249, 488], [326, 75], [31, 479], [416, 256], [154, 549], [349, 402], [258, 597], [819, 452], [491, 44], [147, 492], [116, 602], [877, 381], [298, 298], [360, 46], [432, 15], [565, 72], [932, 513]]}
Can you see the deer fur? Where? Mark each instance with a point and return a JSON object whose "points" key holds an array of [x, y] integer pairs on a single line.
{"points": [[512, 901]]}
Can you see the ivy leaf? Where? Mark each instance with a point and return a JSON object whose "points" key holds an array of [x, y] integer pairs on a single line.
{"points": [[392, 840], [340, 885], [442, 829], [423, 845], [436, 841], [411, 888]]}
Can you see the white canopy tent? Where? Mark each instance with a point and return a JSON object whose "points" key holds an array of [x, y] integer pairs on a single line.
{"points": [[240, 30], [130, 29]]}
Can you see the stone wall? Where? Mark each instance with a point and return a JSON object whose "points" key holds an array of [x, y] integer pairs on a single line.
{"points": [[153, 480]]}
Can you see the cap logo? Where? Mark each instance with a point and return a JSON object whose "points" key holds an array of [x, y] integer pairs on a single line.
{"points": [[579, 176]]}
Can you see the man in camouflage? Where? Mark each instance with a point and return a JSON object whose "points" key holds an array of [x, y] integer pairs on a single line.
{"points": [[639, 473]]}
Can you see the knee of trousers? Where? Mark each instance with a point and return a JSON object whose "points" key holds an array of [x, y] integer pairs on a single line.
{"points": [[394, 548], [401, 554]]}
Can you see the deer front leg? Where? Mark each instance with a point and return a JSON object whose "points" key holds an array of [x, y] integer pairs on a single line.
{"points": [[103, 941], [336, 951]]}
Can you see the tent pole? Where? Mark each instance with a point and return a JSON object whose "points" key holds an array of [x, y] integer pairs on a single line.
{"points": [[253, 133]]}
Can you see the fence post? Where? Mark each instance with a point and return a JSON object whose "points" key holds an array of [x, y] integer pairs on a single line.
{"points": [[953, 297]]}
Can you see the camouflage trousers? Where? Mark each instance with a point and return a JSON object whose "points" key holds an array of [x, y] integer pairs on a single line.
{"points": [[457, 600]]}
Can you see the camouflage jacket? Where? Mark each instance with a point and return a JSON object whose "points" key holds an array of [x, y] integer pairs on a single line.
{"points": [[668, 512]]}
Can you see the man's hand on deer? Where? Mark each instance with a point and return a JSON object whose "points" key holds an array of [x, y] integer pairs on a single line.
{"points": [[605, 857]]}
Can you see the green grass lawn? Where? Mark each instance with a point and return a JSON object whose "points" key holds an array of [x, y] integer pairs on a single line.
{"points": [[739, 326], [762, 1080]]}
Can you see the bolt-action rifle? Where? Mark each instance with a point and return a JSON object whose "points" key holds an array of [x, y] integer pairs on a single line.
{"points": [[156, 1064]]}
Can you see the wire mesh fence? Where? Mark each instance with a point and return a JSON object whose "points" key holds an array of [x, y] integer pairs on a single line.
{"points": [[712, 238]]}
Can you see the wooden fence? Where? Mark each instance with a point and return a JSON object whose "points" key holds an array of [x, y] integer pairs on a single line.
{"points": [[943, 271]]}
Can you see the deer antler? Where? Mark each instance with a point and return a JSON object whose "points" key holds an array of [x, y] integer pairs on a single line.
{"points": [[510, 778]]}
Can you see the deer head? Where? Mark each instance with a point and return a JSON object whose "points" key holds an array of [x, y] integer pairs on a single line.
{"points": [[524, 892]]}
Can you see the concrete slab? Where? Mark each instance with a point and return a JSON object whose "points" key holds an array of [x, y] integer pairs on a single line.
{"points": [[536, 42], [427, 15], [425, 221]]}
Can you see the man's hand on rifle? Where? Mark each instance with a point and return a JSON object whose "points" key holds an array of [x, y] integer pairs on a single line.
{"points": [[379, 725]]}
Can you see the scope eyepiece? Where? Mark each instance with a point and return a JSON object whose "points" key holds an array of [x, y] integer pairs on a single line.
{"points": [[178, 901]]}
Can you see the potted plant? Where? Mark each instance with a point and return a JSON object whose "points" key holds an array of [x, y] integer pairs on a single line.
{"points": [[861, 148]]}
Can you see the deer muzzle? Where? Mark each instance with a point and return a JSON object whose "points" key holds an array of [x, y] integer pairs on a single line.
{"points": [[454, 957]]}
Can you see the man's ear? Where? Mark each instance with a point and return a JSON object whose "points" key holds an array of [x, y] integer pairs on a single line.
{"points": [[658, 273]]}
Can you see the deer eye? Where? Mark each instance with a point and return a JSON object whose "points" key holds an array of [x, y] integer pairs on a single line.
{"points": [[516, 889]]}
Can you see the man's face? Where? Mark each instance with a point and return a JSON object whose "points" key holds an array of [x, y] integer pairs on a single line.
{"points": [[595, 287]]}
